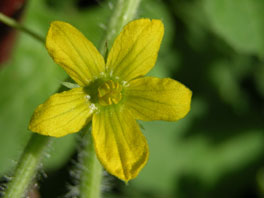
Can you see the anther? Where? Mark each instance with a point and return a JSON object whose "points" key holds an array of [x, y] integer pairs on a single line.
{"points": [[109, 93]]}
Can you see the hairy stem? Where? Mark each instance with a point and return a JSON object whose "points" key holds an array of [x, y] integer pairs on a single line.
{"points": [[27, 166], [124, 12], [12, 23], [91, 170]]}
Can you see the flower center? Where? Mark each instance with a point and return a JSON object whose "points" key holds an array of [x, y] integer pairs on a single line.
{"points": [[109, 93]]}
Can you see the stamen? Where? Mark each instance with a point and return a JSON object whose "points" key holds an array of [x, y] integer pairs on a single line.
{"points": [[109, 93]]}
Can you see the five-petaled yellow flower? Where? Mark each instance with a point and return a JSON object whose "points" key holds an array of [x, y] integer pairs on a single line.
{"points": [[113, 94]]}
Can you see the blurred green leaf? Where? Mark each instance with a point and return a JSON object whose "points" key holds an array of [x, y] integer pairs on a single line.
{"points": [[60, 4], [239, 22], [226, 78], [193, 16], [259, 76]]}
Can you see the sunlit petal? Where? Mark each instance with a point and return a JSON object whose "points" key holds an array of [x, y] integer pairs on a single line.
{"points": [[135, 50], [62, 113], [119, 143], [151, 98], [76, 54]]}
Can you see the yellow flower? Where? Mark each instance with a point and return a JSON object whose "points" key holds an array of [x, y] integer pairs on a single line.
{"points": [[113, 94]]}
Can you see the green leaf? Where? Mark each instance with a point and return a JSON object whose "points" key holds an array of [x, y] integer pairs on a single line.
{"points": [[239, 22]]}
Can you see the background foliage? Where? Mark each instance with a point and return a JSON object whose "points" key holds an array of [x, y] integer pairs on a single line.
{"points": [[215, 47]]}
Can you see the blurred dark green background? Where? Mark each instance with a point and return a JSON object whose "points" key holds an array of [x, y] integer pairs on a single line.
{"points": [[215, 47]]}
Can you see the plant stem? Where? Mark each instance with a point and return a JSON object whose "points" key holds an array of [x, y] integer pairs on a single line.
{"points": [[12, 23], [124, 12], [27, 166], [91, 175]]}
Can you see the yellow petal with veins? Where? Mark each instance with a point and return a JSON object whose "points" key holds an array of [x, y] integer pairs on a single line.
{"points": [[120, 146], [135, 50], [77, 55], [62, 113], [151, 98]]}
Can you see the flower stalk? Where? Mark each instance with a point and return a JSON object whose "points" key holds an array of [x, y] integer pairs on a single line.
{"points": [[27, 166], [124, 11], [12, 23], [91, 169]]}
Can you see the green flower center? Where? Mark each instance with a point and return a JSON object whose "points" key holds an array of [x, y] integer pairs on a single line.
{"points": [[109, 93]]}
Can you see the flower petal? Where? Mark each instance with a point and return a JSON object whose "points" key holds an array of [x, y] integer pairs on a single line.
{"points": [[151, 98], [135, 50], [119, 143], [62, 113], [76, 54]]}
